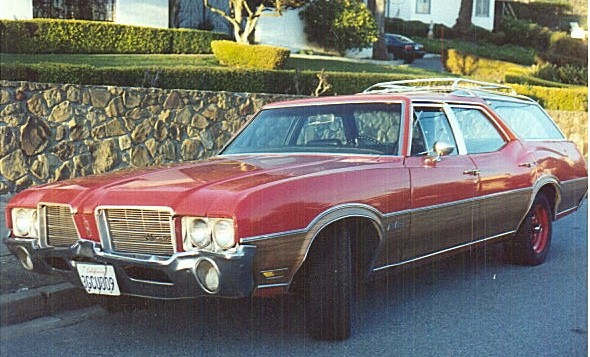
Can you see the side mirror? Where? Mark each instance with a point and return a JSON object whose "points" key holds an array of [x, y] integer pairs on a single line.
{"points": [[441, 148]]}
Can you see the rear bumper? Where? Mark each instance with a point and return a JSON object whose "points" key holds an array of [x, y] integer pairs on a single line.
{"points": [[145, 275]]}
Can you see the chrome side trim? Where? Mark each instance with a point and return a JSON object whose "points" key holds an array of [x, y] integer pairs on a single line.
{"points": [[567, 211], [442, 251], [377, 213], [354, 206], [151, 282], [265, 286]]}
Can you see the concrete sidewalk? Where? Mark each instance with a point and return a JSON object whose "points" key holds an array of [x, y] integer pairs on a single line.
{"points": [[26, 296]]}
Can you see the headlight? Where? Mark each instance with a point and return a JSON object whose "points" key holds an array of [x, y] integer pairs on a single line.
{"points": [[25, 222], [223, 233], [197, 233]]}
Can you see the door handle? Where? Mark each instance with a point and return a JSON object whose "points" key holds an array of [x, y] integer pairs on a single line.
{"points": [[528, 164], [474, 172]]}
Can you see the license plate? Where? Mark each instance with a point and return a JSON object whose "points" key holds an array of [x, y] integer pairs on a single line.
{"points": [[98, 279]]}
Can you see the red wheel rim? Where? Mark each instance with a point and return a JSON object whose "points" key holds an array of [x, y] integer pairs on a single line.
{"points": [[539, 228]]}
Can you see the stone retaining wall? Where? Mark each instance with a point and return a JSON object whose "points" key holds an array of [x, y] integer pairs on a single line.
{"points": [[50, 132]]}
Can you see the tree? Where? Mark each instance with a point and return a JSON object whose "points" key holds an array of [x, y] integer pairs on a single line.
{"points": [[463, 25], [377, 8], [243, 15], [339, 24]]}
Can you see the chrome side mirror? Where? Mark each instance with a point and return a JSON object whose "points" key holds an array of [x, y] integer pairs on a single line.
{"points": [[441, 148]]}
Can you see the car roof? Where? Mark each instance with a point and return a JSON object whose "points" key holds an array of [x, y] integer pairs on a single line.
{"points": [[456, 90]]}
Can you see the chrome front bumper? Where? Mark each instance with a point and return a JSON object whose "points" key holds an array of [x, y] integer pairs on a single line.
{"points": [[149, 276]]}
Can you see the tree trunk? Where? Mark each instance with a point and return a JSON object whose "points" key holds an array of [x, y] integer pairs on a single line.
{"points": [[377, 8], [463, 25]]}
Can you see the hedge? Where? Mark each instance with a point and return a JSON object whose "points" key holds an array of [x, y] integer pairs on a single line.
{"points": [[203, 78], [250, 80], [519, 78], [239, 55], [570, 99], [78, 36]]}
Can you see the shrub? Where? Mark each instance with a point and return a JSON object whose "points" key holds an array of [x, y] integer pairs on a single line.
{"points": [[520, 78], [568, 74], [408, 28], [239, 55], [251, 80], [570, 99], [74, 36], [564, 50], [461, 63], [524, 33], [339, 24], [544, 13]]}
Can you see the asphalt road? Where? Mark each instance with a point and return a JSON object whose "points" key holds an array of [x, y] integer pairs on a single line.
{"points": [[470, 305]]}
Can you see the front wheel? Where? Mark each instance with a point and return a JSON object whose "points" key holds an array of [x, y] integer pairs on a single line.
{"points": [[328, 293], [531, 243]]}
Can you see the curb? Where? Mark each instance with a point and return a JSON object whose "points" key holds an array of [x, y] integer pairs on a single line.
{"points": [[47, 300]]}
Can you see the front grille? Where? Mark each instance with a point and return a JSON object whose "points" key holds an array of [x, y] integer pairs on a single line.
{"points": [[134, 230], [59, 226]]}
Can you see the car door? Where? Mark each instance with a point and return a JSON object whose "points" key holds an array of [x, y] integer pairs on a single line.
{"points": [[505, 172], [442, 187]]}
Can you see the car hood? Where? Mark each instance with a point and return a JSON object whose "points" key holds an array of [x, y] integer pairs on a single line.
{"points": [[182, 186]]}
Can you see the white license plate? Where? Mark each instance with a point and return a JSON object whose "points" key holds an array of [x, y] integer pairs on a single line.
{"points": [[98, 279]]}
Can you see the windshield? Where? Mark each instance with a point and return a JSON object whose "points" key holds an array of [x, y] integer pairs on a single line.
{"points": [[360, 128]]}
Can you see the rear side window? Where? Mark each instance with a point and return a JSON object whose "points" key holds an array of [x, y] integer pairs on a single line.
{"points": [[479, 133], [527, 120]]}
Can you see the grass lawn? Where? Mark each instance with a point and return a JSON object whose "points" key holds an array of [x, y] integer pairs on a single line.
{"points": [[172, 60]]}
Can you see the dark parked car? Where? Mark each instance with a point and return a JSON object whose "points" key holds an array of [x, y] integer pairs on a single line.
{"points": [[403, 47]]}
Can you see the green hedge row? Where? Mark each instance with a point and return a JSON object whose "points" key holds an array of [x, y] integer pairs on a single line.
{"points": [[76, 36], [249, 80], [519, 78], [239, 55], [570, 99], [202, 78]]}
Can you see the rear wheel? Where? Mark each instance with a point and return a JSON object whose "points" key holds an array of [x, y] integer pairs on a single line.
{"points": [[531, 243], [328, 293]]}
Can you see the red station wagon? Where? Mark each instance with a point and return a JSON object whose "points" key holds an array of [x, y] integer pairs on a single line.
{"points": [[317, 193]]}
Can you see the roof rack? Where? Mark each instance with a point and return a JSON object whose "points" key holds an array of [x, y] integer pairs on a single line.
{"points": [[440, 85]]}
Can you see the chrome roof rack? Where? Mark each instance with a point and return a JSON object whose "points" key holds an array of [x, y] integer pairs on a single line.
{"points": [[461, 86]]}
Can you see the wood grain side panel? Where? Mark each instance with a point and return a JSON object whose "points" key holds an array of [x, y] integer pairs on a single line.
{"points": [[571, 193], [283, 254]]}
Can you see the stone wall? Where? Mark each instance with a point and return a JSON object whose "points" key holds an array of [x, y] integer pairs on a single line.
{"points": [[574, 126], [53, 132]]}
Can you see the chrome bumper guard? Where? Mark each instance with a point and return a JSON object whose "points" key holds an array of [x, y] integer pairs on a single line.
{"points": [[150, 276]]}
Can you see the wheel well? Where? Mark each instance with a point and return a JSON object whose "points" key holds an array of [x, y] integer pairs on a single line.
{"points": [[550, 193], [364, 237]]}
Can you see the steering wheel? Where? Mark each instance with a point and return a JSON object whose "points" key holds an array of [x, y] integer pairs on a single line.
{"points": [[362, 139]]}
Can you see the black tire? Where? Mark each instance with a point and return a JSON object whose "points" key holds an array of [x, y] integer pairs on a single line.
{"points": [[531, 243], [328, 293]]}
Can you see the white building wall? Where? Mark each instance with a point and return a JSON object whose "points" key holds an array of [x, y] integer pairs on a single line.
{"points": [[16, 9], [150, 13], [284, 31], [487, 22], [441, 11]]}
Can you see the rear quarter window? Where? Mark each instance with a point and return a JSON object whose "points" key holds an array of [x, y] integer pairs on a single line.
{"points": [[527, 120]]}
